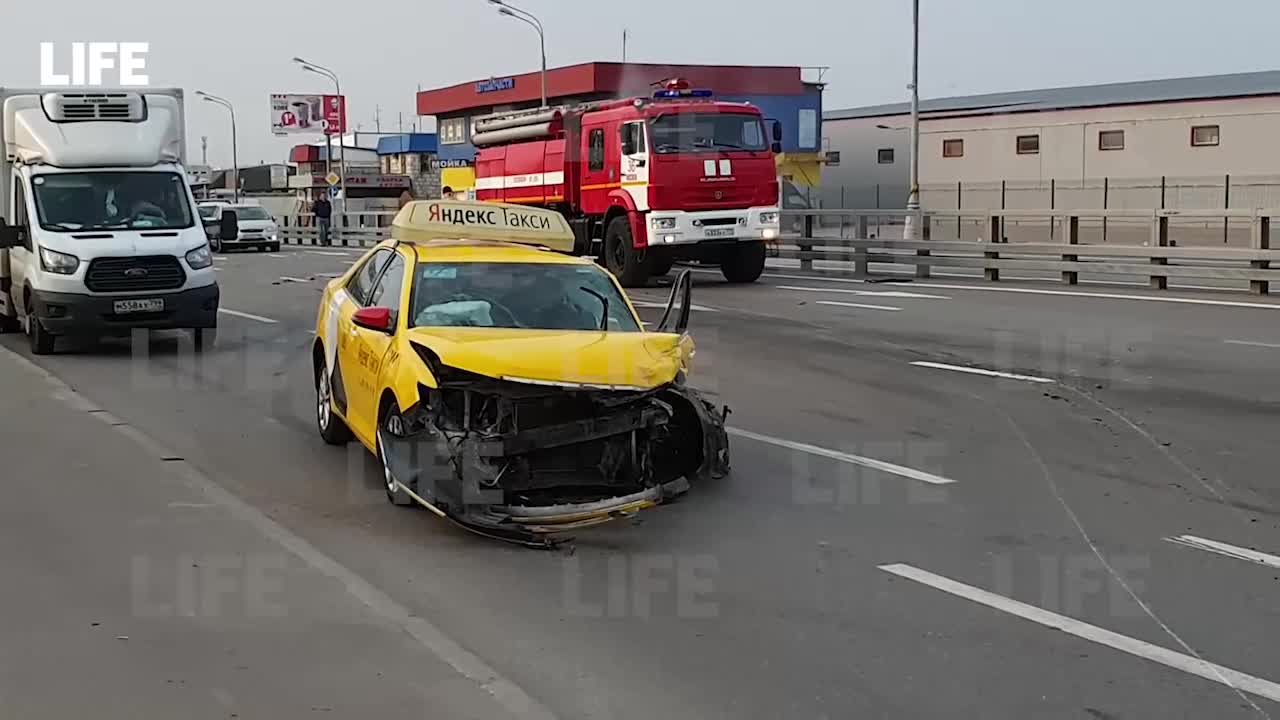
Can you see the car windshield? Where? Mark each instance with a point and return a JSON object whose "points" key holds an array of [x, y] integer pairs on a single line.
{"points": [[542, 296], [703, 132], [112, 200], [252, 213]]}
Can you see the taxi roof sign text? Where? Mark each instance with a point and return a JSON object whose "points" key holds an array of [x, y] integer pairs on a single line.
{"points": [[426, 220]]}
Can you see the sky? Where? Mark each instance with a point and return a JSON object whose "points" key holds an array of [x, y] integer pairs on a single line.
{"points": [[383, 50]]}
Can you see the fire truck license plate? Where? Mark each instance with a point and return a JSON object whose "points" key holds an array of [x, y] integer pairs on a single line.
{"points": [[720, 232], [133, 306]]}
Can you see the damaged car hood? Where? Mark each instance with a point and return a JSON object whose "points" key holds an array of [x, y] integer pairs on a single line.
{"points": [[633, 360]]}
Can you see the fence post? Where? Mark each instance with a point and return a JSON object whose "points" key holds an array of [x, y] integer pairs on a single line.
{"points": [[993, 229], [1071, 277], [922, 269], [1261, 241], [1226, 205], [1161, 230], [863, 221], [343, 232], [1106, 192], [959, 206], [806, 244], [1053, 197]]}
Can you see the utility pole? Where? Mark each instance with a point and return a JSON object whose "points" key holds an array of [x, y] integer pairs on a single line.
{"points": [[377, 119], [911, 229], [624, 45], [204, 150]]}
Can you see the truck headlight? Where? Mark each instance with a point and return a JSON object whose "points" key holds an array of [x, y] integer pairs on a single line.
{"points": [[273, 233], [199, 258], [769, 218], [56, 262], [663, 223]]}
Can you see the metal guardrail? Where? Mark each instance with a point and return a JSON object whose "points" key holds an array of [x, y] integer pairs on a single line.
{"points": [[1070, 257], [1158, 258]]}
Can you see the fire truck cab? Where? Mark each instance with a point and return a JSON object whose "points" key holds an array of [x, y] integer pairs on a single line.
{"points": [[644, 182]]}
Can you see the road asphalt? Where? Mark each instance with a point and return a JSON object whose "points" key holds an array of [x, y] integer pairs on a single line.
{"points": [[948, 500]]}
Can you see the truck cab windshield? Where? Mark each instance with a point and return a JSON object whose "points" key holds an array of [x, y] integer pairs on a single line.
{"points": [[67, 202], [707, 132]]}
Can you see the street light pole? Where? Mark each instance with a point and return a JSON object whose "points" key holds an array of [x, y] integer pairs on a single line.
{"points": [[911, 228], [235, 162], [505, 8], [342, 142]]}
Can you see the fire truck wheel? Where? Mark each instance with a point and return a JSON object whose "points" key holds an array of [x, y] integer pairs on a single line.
{"points": [[628, 264], [743, 263]]}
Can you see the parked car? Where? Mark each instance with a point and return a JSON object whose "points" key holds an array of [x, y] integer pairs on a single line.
{"points": [[257, 229]]}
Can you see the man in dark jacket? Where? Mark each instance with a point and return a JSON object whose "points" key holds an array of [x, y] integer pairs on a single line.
{"points": [[323, 211]]}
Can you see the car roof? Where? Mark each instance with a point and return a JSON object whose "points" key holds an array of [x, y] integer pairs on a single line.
{"points": [[491, 251]]}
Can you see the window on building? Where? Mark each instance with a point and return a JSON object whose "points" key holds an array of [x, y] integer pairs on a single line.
{"points": [[595, 150], [1111, 140], [1028, 144], [453, 131], [953, 148], [884, 156], [1204, 136]]}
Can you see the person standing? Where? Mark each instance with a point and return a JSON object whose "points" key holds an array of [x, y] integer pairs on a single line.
{"points": [[324, 212]]}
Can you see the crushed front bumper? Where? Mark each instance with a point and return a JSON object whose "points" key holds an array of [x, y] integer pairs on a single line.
{"points": [[533, 485]]}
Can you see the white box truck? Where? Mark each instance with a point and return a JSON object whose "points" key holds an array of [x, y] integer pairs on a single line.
{"points": [[99, 233]]}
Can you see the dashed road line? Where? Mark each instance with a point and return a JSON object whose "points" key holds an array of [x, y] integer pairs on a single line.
{"points": [[326, 252], [1178, 661], [1222, 548], [863, 306], [881, 465], [982, 371], [652, 304], [1253, 343], [247, 316], [869, 293]]}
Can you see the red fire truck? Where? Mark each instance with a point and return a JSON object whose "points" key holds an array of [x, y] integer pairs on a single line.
{"points": [[643, 181]]}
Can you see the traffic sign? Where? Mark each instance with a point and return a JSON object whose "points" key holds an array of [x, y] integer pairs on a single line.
{"points": [[332, 178], [334, 192]]}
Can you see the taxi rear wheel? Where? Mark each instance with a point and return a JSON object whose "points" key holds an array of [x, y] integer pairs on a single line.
{"points": [[392, 424], [332, 429]]}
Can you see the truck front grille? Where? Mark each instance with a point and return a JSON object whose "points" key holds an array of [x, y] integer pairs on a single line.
{"points": [[134, 274]]}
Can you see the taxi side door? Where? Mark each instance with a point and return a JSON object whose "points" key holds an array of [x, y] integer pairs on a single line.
{"points": [[369, 347], [343, 344]]}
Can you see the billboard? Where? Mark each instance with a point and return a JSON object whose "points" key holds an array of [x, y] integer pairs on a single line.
{"points": [[309, 114]]}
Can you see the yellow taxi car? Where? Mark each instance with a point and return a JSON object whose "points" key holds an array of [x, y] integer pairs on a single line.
{"points": [[505, 384]]}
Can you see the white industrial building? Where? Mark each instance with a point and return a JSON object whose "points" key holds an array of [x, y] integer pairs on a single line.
{"points": [[1202, 141]]}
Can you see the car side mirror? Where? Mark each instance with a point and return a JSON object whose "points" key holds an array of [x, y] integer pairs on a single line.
{"points": [[675, 319], [229, 227], [11, 236], [777, 131], [374, 318], [776, 148]]}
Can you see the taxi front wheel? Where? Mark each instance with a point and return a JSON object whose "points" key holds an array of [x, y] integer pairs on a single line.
{"points": [[392, 424], [332, 429]]}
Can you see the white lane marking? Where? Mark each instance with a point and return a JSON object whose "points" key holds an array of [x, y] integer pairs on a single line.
{"points": [[1186, 663], [1067, 293], [326, 252], [287, 278], [1252, 343], [651, 304], [857, 305], [1222, 548], [510, 695], [247, 316], [850, 458], [981, 371], [871, 293], [274, 255]]}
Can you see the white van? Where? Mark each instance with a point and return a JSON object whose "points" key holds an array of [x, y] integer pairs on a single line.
{"points": [[100, 233]]}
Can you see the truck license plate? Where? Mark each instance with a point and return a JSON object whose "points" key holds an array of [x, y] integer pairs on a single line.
{"points": [[134, 306], [719, 232]]}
